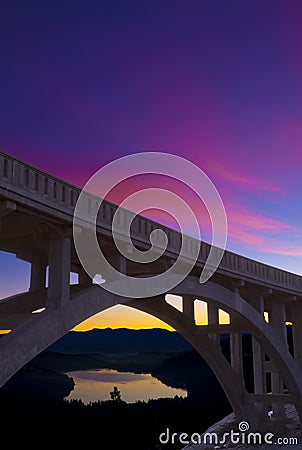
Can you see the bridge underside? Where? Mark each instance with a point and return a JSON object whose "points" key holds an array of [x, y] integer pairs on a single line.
{"points": [[277, 375]]}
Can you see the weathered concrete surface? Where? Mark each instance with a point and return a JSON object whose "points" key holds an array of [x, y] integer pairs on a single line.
{"points": [[292, 429]]}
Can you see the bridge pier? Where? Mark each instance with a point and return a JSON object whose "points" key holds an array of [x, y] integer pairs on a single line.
{"points": [[213, 319], [188, 307], [297, 333], [278, 319], [258, 354], [119, 262], [278, 322], [37, 274], [84, 279], [236, 354], [59, 271], [260, 387]]}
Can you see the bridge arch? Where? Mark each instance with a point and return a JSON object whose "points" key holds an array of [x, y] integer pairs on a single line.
{"points": [[21, 345]]}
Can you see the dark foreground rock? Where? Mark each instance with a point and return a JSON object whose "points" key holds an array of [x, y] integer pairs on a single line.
{"points": [[292, 429]]}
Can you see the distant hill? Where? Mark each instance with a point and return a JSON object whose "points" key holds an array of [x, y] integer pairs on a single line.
{"points": [[121, 341]]}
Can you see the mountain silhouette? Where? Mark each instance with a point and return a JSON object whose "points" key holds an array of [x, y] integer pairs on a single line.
{"points": [[121, 341]]}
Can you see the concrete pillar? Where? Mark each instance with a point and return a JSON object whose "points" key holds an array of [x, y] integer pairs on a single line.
{"points": [[119, 262], [277, 388], [278, 319], [59, 271], [236, 354], [297, 335], [278, 322], [213, 319], [84, 279], [188, 307], [258, 354], [37, 274], [258, 366], [122, 264]]}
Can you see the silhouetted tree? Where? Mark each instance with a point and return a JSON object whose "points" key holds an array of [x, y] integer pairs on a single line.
{"points": [[115, 395]]}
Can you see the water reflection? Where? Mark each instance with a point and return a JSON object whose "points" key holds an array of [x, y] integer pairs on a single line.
{"points": [[94, 385]]}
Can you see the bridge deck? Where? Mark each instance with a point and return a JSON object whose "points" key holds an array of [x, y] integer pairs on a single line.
{"points": [[38, 193]]}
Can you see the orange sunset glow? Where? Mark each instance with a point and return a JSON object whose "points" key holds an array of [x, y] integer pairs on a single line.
{"points": [[121, 316]]}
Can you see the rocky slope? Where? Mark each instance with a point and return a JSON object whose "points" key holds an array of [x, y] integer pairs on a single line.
{"points": [[293, 429]]}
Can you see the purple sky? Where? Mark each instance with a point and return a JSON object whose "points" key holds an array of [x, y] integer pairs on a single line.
{"points": [[218, 82]]}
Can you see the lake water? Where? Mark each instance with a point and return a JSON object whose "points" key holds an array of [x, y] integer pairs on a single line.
{"points": [[94, 385]]}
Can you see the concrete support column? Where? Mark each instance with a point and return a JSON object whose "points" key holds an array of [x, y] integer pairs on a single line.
{"points": [[122, 264], [236, 354], [59, 271], [188, 307], [213, 319], [277, 388], [258, 366], [258, 354], [297, 335], [84, 279], [37, 274], [278, 322], [119, 262], [278, 319]]}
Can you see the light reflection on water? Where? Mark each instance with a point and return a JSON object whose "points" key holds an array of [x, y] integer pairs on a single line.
{"points": [[94, 385]]}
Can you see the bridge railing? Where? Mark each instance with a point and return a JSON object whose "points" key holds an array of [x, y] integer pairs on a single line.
{"points": [[19, 177]]}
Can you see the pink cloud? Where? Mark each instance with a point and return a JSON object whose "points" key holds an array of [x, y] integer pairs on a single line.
{"points": [[249, 219], [266, 244], [236, 175], [263, 233]]}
